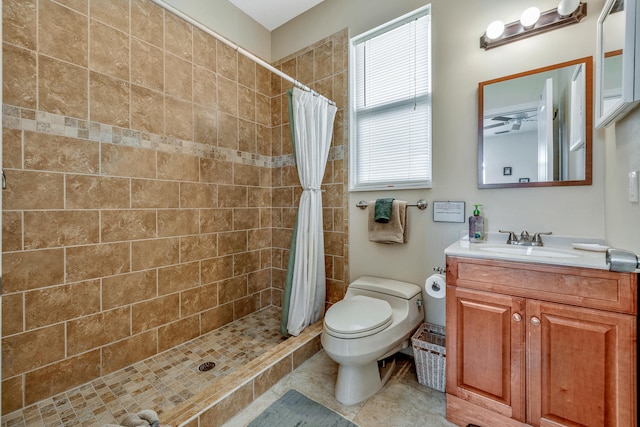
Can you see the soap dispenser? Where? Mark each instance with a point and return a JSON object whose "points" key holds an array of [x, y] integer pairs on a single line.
{"points": [[476, 226]]}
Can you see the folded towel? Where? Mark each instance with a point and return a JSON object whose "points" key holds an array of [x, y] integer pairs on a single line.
{"points": [[383, 210], [395, 231]]}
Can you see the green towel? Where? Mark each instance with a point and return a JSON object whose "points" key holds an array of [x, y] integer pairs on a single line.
{"points": [[383, 210]]}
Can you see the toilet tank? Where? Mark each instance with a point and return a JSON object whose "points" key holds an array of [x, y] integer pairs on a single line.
{"points": [[380, 285]]}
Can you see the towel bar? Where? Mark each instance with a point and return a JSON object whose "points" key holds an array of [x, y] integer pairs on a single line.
{"points": [[421, 204]]}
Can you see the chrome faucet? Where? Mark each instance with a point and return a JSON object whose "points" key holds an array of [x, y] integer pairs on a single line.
{"points": [[525, 238]]}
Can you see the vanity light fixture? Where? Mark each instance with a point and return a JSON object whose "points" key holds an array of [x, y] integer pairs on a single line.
{"points": [[529, 17], [567, 7], [532, 22], [495, 29]]}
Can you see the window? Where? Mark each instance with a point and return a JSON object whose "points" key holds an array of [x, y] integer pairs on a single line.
{"points": [[391, 105]]}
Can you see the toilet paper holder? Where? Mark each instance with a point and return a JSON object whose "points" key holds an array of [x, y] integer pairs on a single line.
{"points": [[435, 285], [440, 270]]}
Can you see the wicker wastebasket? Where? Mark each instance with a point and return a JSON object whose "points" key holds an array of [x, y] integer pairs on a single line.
{"points": [[430, 355]]}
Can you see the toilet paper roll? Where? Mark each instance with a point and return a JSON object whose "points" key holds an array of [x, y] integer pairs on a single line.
{"points": [[436, 286]]}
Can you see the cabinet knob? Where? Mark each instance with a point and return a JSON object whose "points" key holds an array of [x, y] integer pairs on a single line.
{"points": [[535, 321], [517, 317]]}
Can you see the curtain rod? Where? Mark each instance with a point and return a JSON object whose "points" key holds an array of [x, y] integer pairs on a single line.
{"points": [[238, 49]]}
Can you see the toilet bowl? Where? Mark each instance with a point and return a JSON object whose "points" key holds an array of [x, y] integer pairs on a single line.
{"points": [[374, 321]]}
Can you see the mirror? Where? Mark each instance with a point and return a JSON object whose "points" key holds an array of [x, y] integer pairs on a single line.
{"points": [[535, 127], [617, 87]]}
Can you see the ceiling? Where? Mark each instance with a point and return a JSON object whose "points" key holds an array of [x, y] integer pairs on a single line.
{"points": [[273, 13]]}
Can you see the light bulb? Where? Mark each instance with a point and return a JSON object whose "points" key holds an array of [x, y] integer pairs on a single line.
{"points": [[495, 29], [567, 7], [529, 17]]}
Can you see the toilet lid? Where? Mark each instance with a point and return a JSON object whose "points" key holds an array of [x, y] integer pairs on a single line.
{"points": [[358, 316]]}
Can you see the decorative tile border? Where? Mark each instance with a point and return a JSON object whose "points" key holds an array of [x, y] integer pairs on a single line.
{"points": [[14, 117]]}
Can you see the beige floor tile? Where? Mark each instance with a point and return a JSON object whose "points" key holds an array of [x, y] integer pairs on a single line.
{"points": [[316, 379], [401, 402], [400, 405]]}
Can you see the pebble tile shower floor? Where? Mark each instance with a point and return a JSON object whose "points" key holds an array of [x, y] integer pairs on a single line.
{"points": [[160, 382]]}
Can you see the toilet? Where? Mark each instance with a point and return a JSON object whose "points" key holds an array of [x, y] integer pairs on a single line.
{"points": [[374, 321]]}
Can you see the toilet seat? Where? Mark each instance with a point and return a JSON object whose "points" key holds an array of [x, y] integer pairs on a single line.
{"points": [[357, 317]]}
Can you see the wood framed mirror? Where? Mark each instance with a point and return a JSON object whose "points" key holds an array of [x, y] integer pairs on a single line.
{"points": [[535, 128]]}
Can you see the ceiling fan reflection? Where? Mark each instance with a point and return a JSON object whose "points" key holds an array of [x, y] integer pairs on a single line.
{"points": [[515, 120]]}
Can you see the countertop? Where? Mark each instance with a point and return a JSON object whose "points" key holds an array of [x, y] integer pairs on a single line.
{"points": [[559, 248]]}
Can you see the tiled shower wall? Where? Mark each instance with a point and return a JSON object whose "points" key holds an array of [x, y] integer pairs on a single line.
{"points": [[150, 186], [137, 214]]}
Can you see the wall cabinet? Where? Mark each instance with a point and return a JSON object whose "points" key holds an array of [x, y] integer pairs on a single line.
{"points": [[540, 345]]}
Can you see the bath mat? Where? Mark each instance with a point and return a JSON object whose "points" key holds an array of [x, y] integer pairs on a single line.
{"points": [[297, 410]]}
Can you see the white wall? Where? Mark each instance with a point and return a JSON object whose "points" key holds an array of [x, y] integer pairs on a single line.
{"points": [[516, 150], [459, 65], [622, 155]]}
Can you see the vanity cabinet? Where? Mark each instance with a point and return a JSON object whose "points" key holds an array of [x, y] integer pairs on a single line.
{"points": [[541, 345]]}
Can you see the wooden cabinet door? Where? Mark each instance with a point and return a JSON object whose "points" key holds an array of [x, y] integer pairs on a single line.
{"points": [[581, 367], [485, 342]]}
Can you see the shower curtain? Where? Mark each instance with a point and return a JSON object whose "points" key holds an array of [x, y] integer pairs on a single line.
{"points": [[311, 121]]}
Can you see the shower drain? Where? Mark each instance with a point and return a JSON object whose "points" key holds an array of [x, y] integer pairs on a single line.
{"points": [[206, 366]]}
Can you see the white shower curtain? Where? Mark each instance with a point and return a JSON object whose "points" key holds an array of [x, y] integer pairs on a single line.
{"points": [[311, 130]]}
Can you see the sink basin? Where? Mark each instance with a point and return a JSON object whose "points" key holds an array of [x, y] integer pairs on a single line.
{"points": [[532, 251]]}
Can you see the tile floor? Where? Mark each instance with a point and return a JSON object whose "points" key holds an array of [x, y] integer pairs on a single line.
{"points": [[403, 402], [168, 379], [161, 382]]}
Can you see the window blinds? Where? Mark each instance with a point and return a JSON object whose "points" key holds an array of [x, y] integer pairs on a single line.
{"points": [[392, 106]]}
